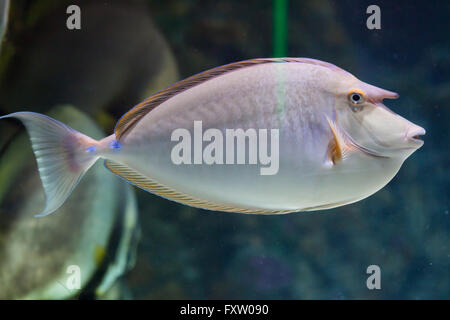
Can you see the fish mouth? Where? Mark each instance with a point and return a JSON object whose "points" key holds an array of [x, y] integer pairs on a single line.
{"points": [[415, 137]]}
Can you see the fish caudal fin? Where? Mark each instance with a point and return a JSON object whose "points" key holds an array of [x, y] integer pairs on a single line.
{"points": [[63, 156]]}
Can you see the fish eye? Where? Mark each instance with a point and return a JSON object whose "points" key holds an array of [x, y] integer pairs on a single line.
{"points": [[356, 98]]}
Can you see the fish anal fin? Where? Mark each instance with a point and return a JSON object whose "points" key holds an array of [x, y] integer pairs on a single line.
{"points": [[328, 206], [157, 188]]}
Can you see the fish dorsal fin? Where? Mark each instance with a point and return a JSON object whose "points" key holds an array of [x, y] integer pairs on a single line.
{"points": [[155, 187], [130, 118]]}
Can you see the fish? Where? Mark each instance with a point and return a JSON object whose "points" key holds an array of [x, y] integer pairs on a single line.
{"points": [[259, 136]]}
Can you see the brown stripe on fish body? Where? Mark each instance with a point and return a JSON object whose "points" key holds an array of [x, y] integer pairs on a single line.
{"points": [[130, 118]]}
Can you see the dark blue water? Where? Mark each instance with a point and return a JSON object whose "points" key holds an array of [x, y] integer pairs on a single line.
{"points": [[112, 63]]}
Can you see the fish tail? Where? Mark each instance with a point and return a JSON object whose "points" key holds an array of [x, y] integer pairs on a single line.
{"points": [[63, 156]]}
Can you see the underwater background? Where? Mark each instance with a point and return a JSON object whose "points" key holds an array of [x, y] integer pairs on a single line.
{"points": [[134, 245]]}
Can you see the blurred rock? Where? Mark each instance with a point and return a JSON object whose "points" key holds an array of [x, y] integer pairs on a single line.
{"points": [[4, 11], [95, 229], [115, 60]]}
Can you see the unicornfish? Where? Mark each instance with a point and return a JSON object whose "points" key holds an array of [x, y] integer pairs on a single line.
{"points": [[262, 136]]}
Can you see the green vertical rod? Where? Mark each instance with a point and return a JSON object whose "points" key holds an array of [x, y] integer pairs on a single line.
{"points": [[280, 20]]}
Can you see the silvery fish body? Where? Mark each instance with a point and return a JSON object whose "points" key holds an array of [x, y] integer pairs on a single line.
{"points": [[286, 97], [312, 136]]}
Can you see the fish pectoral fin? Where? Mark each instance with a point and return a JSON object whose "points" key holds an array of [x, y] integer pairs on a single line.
{"points": [[155, 187], [341, 145]]}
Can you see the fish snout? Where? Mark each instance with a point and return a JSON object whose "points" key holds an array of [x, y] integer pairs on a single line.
{"points": [[413, 136]]}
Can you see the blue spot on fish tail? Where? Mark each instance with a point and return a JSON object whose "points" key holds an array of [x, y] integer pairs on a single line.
{"points": [[115, 145], [91, 149]]}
